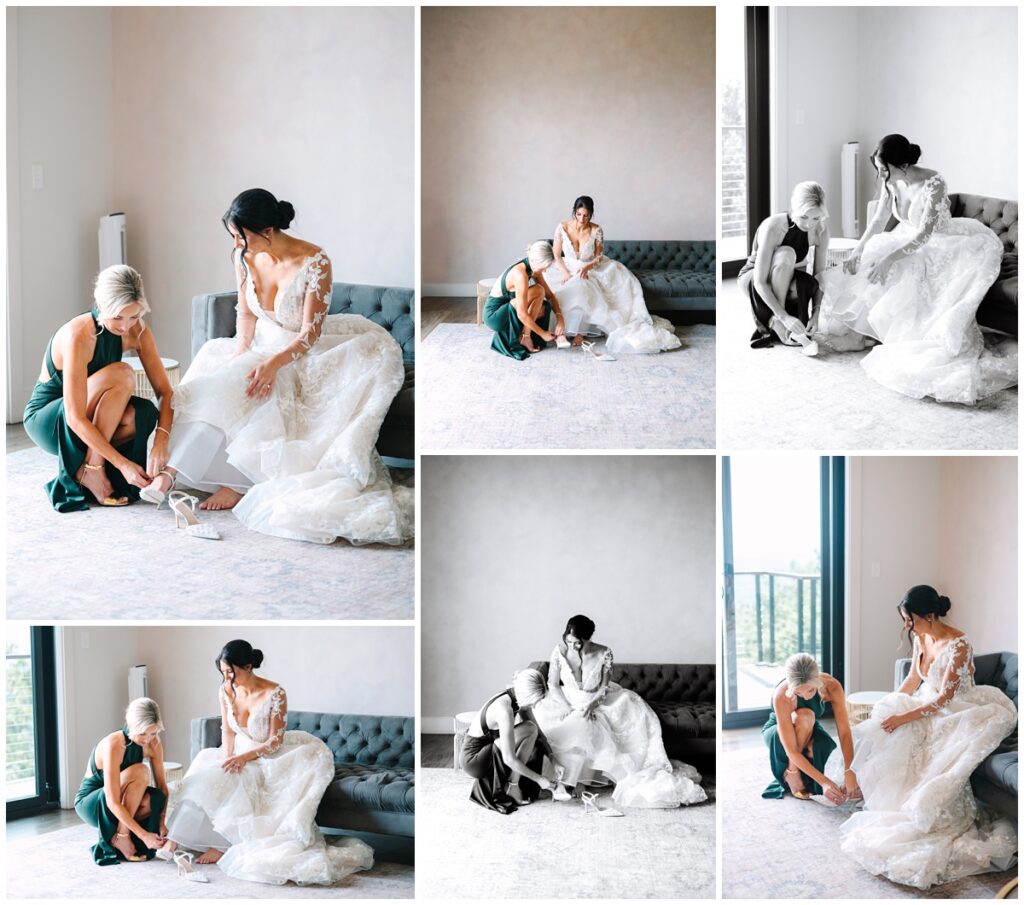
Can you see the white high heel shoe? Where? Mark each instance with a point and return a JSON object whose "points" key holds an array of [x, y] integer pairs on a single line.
{"points": [[186, 869], [184, 508], [152, 495], [588, 349], [590, 805]]}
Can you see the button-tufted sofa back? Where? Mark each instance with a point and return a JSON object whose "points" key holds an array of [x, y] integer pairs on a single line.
{"points": [[661, 681], [372, 741], [663, 254], [998, 215], [389, 307]]}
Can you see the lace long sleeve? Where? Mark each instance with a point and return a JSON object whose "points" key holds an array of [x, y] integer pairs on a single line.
{"points": [[316, 305], [227, 734], [956, 677], [245, 320], [936, 205], [555, 670], [277, 720]]}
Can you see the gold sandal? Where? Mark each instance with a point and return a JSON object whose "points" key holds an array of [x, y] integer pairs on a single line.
{"points": [[802, 794], [136, 856], [107, 501]]}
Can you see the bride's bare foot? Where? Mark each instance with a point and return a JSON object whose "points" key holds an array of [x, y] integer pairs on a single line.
{"points": [[95, 480], [225, 498], [210, 856], [577, 340], [162, 482]]}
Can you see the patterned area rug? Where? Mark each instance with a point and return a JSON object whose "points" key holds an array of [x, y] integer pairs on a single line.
{"points": [[58, 865], [131, 563], [789, 849], [777, 398], [554, 850], [473, 398]]}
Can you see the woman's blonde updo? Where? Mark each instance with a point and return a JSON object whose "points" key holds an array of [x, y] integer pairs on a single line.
{"points": [[540, 255], [529, 687], [802, 669], [117, 287], [807, 196], [141, 714]]}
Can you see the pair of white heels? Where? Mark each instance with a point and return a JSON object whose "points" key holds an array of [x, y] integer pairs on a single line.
{"points": [[184, 506], [562, 342], [186, 864]]}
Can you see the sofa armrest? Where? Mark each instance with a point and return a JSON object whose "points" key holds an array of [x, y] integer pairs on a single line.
{"points": [[205, 734], [213, 316], [901, 672]]}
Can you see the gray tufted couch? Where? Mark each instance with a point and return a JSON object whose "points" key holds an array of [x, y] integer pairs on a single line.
{"points": [[213, 316], [995, 781], [373, 794], [684, 699], [676, 275]]}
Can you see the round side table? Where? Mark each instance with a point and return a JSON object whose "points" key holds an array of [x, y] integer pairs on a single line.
{"points": [[462, 723], [142, 386], [483, 289], [173, 772], [860, 704]]}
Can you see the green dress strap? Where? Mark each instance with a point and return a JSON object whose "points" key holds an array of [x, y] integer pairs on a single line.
{"points": [[46, 424], [818, 749], [501, 317]]}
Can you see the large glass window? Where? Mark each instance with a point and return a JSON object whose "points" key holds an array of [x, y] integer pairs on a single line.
{"points": [[732, 74]]}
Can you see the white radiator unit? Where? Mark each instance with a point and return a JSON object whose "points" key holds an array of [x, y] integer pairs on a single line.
{"points": [[113, 241], [138, 682], [850, 200]]}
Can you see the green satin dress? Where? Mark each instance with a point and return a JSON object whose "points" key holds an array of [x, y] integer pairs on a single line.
{"points": [[500, 316], [821, 742], [91, 806], [47, 427]]}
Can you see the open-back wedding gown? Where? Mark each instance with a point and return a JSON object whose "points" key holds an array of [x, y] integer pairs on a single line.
{"points": [[621, 742], [305, 458], [263, 817], [923, 312], [610, 300], [920, 824]]}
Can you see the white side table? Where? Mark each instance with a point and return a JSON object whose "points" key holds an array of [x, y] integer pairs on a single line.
{"points": [[860, 704], [838, 251], [142, 386], [483, 289], [462, 723], [173, 772]]}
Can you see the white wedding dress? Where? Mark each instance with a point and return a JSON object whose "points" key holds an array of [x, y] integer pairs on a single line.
{"points": [[263, 817], [923, 312], [305, 457], [621, 743], [920, 824], [609, 301]]}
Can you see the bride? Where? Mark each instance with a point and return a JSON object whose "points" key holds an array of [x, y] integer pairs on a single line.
{"points": [[917, 289], [599, 732], [921, 825], [281, 422], [599, 295], [249, 806]]}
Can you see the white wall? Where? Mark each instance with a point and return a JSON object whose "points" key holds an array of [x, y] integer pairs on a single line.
{"points": [[59, 115], [946, 77], [978, 548], [524, 109], [314, 104], [512, 546], [336, 669]]}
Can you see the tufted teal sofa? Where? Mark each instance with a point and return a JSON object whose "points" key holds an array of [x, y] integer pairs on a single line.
{"points": [[374, 789], [995, 780], [684, 699], [213, 316]]}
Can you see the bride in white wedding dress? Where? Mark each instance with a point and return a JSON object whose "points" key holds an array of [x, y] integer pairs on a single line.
{"points": [[920, 824], [599, 732], [250, 805], [281, 421], [917, 289], [598, 295]]}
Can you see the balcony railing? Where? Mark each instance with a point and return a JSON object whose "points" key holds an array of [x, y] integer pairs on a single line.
{"points": [[808, 595]]}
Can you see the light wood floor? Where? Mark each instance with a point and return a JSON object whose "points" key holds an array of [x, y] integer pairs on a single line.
{"points": [[17, 439], [437, 751], [434, 311], [51, 821]]}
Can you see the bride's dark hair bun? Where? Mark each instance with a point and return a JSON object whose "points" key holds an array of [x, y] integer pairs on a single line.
{"points": [[896, 151], [240, 653], [924, 600], [286, 213]]}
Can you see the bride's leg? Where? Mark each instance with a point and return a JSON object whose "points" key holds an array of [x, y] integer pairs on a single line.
{"points": [[224, 498]]}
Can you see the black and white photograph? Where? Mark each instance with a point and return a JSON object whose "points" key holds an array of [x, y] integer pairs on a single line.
{"points": [[869, 228], [210, 762], [567, 677]]}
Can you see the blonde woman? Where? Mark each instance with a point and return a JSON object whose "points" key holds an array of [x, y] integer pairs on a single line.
{"points": [[514, 309], [798, 745], [115, 795], [784, 297], [82, 409]]}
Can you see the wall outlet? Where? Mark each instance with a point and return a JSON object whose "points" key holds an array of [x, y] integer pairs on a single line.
{"points": [[37, 177]]}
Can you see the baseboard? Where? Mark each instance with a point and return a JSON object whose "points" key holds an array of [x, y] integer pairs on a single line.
{"points": [[437, 725], [448, 290]]}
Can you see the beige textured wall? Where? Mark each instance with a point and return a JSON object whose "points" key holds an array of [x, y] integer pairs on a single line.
{"points": [[524, 109], [512, 546], [58, 117], [314, 104], [978, 548]]}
